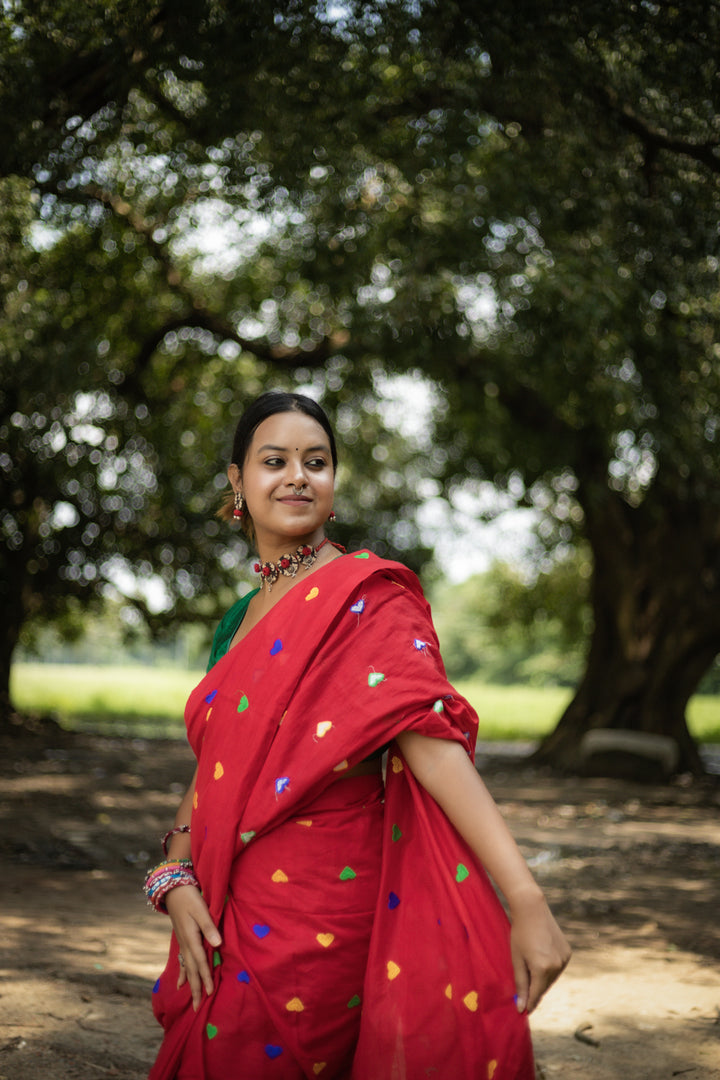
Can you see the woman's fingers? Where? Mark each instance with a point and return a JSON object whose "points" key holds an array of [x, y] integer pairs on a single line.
{"points": [[193, 926]]}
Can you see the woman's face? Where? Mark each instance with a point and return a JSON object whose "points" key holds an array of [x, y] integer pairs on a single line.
{"points": [[289, 453]]}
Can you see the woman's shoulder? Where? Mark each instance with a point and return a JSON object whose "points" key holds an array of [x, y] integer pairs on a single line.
{"points": [[386, 573]]}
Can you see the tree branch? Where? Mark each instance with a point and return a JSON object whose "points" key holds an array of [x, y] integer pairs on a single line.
{"points": [[656, 139]]}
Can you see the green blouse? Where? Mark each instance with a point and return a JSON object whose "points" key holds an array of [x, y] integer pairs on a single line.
{"points": [[228, 626]]}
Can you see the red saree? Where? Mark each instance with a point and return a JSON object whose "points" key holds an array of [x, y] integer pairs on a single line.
{"points": [[359, 939]]}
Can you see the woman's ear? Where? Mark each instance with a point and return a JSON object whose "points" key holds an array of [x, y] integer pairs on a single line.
{"points": [[235, 477]]}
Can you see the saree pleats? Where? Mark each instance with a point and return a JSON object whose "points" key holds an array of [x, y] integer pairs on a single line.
{"points": [[349, 926]]}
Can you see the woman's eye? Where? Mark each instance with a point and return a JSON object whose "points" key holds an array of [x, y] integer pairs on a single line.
{"points": [[317, 463], [274, 461]]}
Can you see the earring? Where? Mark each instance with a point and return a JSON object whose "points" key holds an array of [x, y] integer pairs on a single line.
{"points": [[238, 510], [332, 516]]}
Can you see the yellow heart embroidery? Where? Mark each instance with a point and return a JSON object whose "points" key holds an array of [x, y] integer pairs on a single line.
{"points": [[325, 940], [323, 727], [492, 1066], [295, 1005], [341, 766], [219, 771], [397, 765], [319, 1066], [280, 877], [313, 593], [303, 822], [195, 801], [470, 1001], [207, 715], [448, 991], [392, 969]]}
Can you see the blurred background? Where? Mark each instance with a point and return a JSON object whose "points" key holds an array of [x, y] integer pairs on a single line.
{"points": [[484, 237]]}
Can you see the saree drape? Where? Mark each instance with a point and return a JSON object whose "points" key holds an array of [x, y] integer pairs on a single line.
{"points": [[343, 663]]}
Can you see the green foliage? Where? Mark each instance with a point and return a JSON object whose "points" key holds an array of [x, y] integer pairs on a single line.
{"points": [[501, 628], [518, 201]]}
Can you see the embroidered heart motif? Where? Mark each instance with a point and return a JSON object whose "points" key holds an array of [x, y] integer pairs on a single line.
{"points": [[392, 970], [470, 1001], [243, 704], [211, 1031], [207, 714], [354, 1001], [243, 977], [347, 874], [325, 940], [462, 872], [217, 959], [279, 877], [375, 678], [438, 706], [420, 645], [396, 834], [358, 608], [295, 1005], [393, 901], [219, 771], [341, 766], [211, 697], [273, 1051], [281, 783], [276, 647], [246, 837], [156, 987], [195, 801], [313, 593], [260, 930], [492, 1066], [323, 727], [307, 824], [318, 1067], [397, 765], [448, 991], [363, 555]]}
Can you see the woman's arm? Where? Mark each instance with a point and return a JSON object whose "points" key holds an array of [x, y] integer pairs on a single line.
{"points": [[539, 948], [189, 913]]}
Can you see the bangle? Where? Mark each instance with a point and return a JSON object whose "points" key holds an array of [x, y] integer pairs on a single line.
{"points": [[169, 835], [166, 876]]}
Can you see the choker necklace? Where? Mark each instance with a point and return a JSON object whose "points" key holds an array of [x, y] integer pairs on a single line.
{"points": [[288, 565]]}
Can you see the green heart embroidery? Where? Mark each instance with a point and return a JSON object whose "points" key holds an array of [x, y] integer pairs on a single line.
{"points": [[354, 1001], [438, 706], [211, 1031], [217, 959], [363, 555], [375, 678], [347, 874], [462, 872], [246, 837], [396, 834], [244, 704]]}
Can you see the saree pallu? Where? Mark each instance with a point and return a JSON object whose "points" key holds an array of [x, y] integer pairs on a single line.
{"points": [[410, 977]]}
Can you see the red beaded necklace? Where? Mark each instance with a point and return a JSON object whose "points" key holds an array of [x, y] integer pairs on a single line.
{"points": [[288, 565]]}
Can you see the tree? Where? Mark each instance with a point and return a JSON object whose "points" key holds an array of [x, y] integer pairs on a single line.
{"points": [[519, 203]]}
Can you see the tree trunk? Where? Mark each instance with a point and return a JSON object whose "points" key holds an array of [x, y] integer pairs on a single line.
{"points": [[8, 641], [656, 606]]}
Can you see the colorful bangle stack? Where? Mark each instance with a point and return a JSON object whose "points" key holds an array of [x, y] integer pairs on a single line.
{"points": [[166, 876]]}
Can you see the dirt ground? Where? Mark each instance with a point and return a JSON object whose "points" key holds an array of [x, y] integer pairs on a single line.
{"points": [[632, 873]]}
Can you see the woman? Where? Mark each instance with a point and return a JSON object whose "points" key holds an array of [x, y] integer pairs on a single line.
{"points": [[325, 923]]}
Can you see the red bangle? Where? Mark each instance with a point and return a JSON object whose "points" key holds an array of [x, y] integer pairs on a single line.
{"points": [[168, 835]]}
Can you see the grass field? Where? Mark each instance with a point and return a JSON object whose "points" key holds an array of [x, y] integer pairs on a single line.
{"points": [[149, 701]]}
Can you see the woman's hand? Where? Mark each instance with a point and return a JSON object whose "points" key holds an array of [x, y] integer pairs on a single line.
{"points": [[192, 923], [539, 949]]}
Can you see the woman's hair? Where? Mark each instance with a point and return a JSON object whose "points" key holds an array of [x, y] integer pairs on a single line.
{"points": [[268, 404]]}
